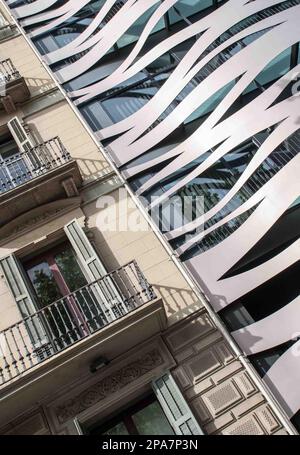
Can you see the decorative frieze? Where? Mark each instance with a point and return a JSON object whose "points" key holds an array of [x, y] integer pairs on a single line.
{"points": [[36, 217], [108, 385]]}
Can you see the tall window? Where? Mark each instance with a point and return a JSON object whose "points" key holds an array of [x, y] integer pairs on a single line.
{"points": [[55, 274]]}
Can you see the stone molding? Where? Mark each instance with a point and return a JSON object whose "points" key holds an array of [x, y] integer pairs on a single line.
{"points": [[109, 385], [36, 217]]}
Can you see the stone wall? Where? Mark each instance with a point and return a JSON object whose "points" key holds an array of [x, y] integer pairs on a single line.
{"points": [[215, 383]]}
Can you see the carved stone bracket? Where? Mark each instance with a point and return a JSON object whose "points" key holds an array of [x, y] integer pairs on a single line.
{"points": [[70, 187], [8, 104]]}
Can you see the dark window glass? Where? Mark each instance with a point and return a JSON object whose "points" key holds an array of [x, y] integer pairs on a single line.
{"points": [[44, 283], [55, 274], [70, 270], [264, 300], [145, 418], [186, 8], [264, 360]]}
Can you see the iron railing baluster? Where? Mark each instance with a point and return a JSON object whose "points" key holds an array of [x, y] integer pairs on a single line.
{"points": [[27, 165]]}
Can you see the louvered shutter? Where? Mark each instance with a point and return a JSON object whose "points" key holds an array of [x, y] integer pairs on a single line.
{"points": [[22, 295], [106, 291], [175, 407], [84, 250], [19, 134], [3, 20], [25, 145]]}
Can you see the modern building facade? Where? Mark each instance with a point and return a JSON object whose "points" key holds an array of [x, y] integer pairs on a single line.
{"points": [[117, 318]]}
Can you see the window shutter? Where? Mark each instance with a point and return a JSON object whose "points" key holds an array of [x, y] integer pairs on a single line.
{"points": [[175, 406], [3, 20], [19, 134], [22, 295], [105, 291], [84, 250], [25, 145]]}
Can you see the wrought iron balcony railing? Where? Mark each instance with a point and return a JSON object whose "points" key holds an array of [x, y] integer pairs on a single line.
{"points": [[21, 167], [74, 317], [8, 71]]}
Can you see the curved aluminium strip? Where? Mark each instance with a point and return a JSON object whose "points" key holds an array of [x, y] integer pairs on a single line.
{"points": [[279, 112], [121, 74], [64, 13], [130, 145], [230, 133], [208, 267], [113, 27], [215, 23], [80, 43], [271, 331], [77, 46], [112, 32], [223, 292], [249, 204], [213, 26], [282, 131]]}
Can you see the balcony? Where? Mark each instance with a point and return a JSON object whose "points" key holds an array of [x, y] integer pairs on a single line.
{"points": [[13, 87], [79, 316], [25, 166], [31, 179]]}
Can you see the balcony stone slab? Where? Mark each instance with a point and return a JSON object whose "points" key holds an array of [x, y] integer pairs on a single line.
{"points": [[54, 374], [16, 92], [58, 183]]}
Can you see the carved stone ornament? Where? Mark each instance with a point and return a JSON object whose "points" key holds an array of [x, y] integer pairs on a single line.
{"points": [[108, 385]]}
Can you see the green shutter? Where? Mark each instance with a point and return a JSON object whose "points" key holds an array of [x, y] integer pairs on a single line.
{"points": [[175, 407], [17, 284]]}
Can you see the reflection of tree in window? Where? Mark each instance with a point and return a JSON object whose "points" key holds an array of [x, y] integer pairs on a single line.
{"points": [[45, 286], [70, 269]]}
